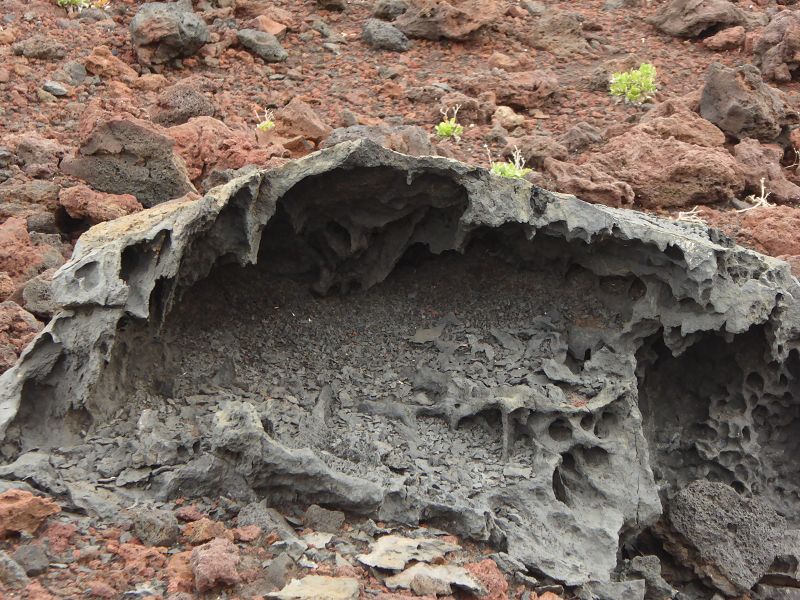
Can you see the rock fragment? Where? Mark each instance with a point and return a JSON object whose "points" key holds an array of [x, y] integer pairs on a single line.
{"points": [[156, 527], [394, 552], [384, 36], [451, 19], [729, 540], [742, 105], [439, 580], [322, 519], [83, 203], [165, 31], [214, 564], [264, 45], [318, 587], [776, 49], [690, 18], [125, 155], [22, 512]]}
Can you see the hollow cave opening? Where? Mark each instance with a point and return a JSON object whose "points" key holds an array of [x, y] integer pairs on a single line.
{"points": [[395, 368]]}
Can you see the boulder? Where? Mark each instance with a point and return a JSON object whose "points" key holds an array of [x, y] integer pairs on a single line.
{"points": [[164, 31], [17, 328], [777, 49], [728, 539], [103, 63], [521, 90], [727, 39], [179, 103], [669, 173], [589, 182], [22, 256], [21, 511], [408, 139], [672, 119], [384, 36], [451, 19], [535, 149], [214, 564], [317, 587], [120, 154], [84, 204], [298, 119], [691, 18], [761, 163], [264, 45], [208, 145], [774, 231], [389, 10], [739, 102]]}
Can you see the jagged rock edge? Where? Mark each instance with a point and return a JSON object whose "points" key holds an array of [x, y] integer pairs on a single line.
{"points": [[116, 266]]}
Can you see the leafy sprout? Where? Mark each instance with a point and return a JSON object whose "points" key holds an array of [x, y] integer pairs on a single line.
{"points": [[449, 127], [268, 122], [512, 169], [636, 85]]}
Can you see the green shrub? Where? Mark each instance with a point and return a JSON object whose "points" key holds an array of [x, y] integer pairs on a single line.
{"points": [[513, 169], [74, 4], [268, 122], [636, 85], [449, 127]]}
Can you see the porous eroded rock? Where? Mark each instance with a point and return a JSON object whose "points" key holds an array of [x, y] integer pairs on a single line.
{"points": [[558, 32], [83, 203], [179, 103], [777, 49], [742, 105], [691, 18], [413, 339], [668, 172], [728, 539], [451, 19], [164, 31], [22, 512], [120, 154]]}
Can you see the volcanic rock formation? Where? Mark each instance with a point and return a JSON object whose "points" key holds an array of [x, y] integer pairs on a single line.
{"points": [[414, 339]]}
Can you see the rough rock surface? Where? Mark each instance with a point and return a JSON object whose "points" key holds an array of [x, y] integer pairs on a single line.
{"points": [[164, 31], [214, 564], [451, 19], [83, 203], [686, 174], [125, 155], [22, 512], [761, 165], [728, 539], [776, 49], [742, 105], [690, 18], [591, 325]]}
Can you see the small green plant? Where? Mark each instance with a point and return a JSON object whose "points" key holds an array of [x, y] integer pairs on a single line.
{"points": [[513, 169], [268, 122], [71, 5], [636, 85], [449, 127]]}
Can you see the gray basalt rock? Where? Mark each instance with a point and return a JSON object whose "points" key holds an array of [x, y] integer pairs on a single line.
{"points": [[164, 31], [416, 339]]}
